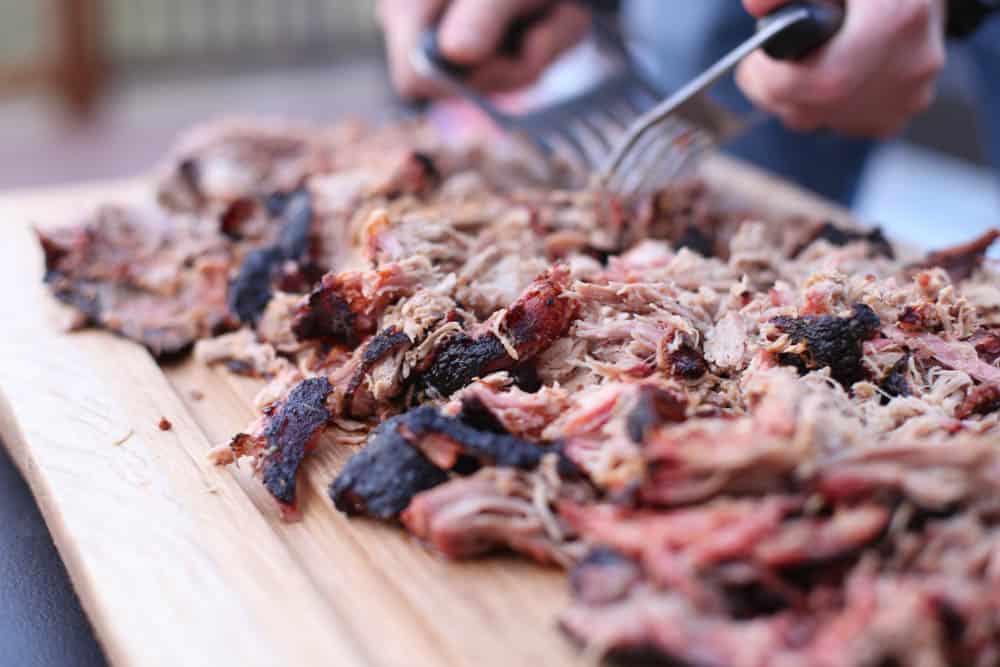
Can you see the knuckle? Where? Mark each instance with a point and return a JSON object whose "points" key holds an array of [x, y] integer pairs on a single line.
{"points": [[912, 15]]}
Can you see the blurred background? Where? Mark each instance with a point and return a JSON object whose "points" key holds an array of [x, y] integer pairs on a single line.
{"points": [[95, 89]]}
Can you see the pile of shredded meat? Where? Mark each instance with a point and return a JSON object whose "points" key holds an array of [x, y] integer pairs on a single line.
{"points": [[749, 444]]}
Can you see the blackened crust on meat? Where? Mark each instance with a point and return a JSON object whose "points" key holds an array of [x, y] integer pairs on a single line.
{"points": [[961, 261], [326, 314], [385, 343], [895, 383], [417, 175], [382, 479], [604, 575], [487, 447], [655, 406], [831, 342], [460, 359], [289, 432], [251, 290], [474, 413], [293, 239], [696, 240], [688, 363], [839, 236]]}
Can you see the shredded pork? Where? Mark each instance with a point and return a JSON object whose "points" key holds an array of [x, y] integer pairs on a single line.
{"points": [[750, 444]]}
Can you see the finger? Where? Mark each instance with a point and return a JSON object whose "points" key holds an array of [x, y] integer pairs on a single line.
{"points": [[763, 7], [770, 84], [565, 26], [471, 31], [562, 28], [403, 22]]}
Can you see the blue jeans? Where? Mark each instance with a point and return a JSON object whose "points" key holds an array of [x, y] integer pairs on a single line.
{"points": [[684, 41]]}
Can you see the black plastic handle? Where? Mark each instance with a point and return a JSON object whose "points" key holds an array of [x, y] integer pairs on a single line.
{"points": [[821, 20]]}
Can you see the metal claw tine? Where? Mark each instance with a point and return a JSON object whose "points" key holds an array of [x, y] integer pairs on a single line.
{"points": [[570, 139], [592, 125]]}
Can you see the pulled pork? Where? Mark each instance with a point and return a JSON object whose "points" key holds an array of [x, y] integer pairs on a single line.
{"points": [[748, 444]]}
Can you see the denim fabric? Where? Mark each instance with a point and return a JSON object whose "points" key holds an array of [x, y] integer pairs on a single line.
{"points": [[984, 49]]}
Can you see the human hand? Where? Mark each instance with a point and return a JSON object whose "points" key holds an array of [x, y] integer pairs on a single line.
{"points": [[471, 33], [878, 72]]}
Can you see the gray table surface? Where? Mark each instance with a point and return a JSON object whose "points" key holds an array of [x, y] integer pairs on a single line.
{"points": [[41, 622]]}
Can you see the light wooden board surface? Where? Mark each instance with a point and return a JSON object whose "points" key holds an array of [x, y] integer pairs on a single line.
{"points": [[178, 562]]}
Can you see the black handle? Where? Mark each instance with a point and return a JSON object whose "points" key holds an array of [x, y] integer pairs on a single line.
{"points": [[820, 21]]}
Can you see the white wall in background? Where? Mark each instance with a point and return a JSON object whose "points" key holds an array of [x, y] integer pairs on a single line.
{"points": [[926, 198]]}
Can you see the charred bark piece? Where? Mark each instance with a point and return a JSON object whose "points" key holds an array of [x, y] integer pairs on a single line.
{"points": [[252, 289], [654, 408], [696, 240], [839, 236], [961, 261], [474, 413], [387, 341], [290, 433], [537, 318], [895, 383], [687, 363], [603, 576], [487, 447], [326, 314], [831, 342], [461, 359], [382, 479]]}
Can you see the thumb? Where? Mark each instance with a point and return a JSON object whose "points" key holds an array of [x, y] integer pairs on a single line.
{"points": [[763, 7]]}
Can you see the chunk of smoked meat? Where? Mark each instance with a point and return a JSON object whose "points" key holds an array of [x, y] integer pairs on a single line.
{"points": [[486, 446], [687, 363], [381, 480], [895, 383], [839, 236], [831, 342], [461, 359], [386, 342], [981, 400], [327, 314], [987, 344], [961, 261], [252, 288], [541, 314], [654, 407], [291, 432], [537, 318], [158, 280]]}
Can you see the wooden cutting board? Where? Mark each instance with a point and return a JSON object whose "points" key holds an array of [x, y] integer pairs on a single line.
{"points": [[178, 562]]}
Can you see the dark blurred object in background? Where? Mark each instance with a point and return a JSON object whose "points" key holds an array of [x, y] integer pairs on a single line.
{"points": [[73, 48]]}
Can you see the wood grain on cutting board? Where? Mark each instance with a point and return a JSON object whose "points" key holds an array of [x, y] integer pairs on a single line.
{"points": [[178, 562]]}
